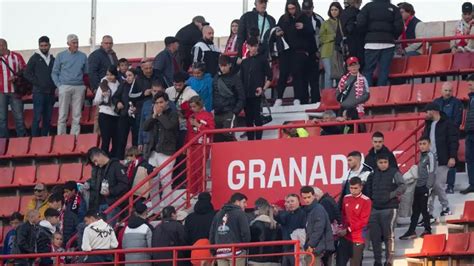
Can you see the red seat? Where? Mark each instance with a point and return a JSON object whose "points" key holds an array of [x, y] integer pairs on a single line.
{"points": [[18, 147], [328, 100], [86, 172], [86, 115], [470, 249], [3, 146], [400, 94], [471, 68], [439, 85], [432, 244], [461, 62], [456, 244], [397, 67], [416, 64], [382, 126], [467, 215], [6, 174], [463, 91], [54, 117], [86, 141], [24, 175], [41, 145], [438, 47], [28, 118], [462, 151], [24, 201], [422, 93], [47, 174], [70, 171], [90, 116], [406, 125], [9, 205], [63, 144], [378, 96], [439, 64]]}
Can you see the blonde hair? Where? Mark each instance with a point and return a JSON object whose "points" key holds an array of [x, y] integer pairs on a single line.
{"points": [[262, 207]]}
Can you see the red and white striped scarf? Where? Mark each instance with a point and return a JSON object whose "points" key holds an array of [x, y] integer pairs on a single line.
{"points": [[359, 86]]}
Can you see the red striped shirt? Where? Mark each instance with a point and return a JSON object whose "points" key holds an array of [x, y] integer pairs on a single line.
{"points": [[16, 62]]}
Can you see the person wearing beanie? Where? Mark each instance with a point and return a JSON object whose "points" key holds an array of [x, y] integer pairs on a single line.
{"points": [[464, 27], [138, 234], [165, 63], [198, 223], [38, 72]]}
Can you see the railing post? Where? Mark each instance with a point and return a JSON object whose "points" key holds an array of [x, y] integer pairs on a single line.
{"points": [[297, 252], [58, 262], [233, 256], [175, 257], [116, 259], [204, 162]]}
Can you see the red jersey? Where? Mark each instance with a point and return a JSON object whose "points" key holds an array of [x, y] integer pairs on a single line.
{"points": [[206, 121], [355, 216], [16, 63]]}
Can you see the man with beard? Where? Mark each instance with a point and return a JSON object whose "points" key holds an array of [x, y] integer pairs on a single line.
{"points": [[206, 52]]}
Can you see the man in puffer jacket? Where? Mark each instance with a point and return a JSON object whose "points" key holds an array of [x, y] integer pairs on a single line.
{"points": [[25, 242], [138, 234]]}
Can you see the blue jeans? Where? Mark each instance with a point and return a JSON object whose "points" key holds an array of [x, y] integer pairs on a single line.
{"points": [[42, 111], [451, 177], [16, 105], [327, 73], [382, 58], [470, 157]]}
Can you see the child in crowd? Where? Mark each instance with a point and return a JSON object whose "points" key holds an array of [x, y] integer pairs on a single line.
{"points": [[57, 247], [201, 83], [256, 77], [137, 170], [426, 172], [15, 220], [123, 66]]}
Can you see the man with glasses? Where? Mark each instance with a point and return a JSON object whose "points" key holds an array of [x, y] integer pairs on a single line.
{"points": [[40, 200]]}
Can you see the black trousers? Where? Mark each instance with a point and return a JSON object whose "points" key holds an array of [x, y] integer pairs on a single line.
{"points": [[420, 206], [294, 63], [224, 120], [253, 110], [312, 77], [348, 250], [125, 125], [108, 125]]}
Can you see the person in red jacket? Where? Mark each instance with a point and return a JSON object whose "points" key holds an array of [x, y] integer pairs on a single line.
{"points": [[198, 121], [355, 216]]}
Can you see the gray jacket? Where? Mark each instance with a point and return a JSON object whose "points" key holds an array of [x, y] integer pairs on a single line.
{"points": [[137, 234], [318, 229], [350, 100], [426, 169], [163, 65]]}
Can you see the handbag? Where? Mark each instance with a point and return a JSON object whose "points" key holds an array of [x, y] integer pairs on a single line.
{"points": [[337, 62], [266, 118], [21, 85], [342, 47]]}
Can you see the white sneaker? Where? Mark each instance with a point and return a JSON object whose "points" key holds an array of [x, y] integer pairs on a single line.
{"points": [[278, 102], [296, 102]]}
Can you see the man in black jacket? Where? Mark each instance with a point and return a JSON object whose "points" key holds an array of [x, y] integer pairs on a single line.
{"points": [[469, 129], [231, 225], [100, 60], [444, 138], [114, 183], [46, 229], [384, 187], [165, 63], [258, 19], [352, 36], [75, 209], [382, 23], [188, 36], [38, 72], [26, 235], [319, 238], [228, 98], [377, 148]]}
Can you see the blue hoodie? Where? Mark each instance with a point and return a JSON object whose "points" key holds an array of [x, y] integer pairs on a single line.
{"points": [[204, 88], [8, 242]]}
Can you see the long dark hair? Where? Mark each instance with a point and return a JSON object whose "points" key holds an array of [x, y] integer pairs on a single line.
{"points": [[233, 21], [337, 5], [298, 9]]}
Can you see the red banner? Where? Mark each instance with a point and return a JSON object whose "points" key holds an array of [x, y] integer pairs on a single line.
{"points": [[274, 168]]}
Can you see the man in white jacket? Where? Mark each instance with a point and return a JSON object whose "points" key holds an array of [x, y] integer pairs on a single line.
{"points": [[98, 235]]}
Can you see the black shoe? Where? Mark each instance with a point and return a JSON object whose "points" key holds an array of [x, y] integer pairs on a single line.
{"points": [[432, 221], [469, 189], [426, 232], [450, 190], [408, 236], [445, 211]]}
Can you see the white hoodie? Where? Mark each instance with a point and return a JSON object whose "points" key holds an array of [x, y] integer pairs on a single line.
{"points": [[99, 235], [48, 225]]}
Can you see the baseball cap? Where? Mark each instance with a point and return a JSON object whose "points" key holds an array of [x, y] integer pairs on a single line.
{"points": [[170, 39], [467, 7], [352, 60], [307, 4], [432, 107], [40, 186]]}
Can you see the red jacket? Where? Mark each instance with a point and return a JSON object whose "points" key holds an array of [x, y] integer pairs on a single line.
{"points": [[206, 119], [355, 217]]}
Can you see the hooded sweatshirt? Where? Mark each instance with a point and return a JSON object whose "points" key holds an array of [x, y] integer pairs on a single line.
{"points": [[43, 242], [99, 235], [203, 87], [138, 234], [198, 223]]}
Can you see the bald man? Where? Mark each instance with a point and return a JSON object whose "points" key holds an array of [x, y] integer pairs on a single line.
{"points": [[452, 107], [206, 52], [10, 64]]}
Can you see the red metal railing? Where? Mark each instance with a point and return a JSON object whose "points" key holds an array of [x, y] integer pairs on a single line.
{"points": [[119, 253]]}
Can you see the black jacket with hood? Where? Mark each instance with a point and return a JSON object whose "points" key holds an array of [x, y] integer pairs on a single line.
{"points": [[381, 21], [25, 242], [384, 188], [250, 20], [236, 228], [447, 139], [254, 71], [115, 174], [331, 207], [198, 224], [299, 40], [39, 74], [371, 157]]}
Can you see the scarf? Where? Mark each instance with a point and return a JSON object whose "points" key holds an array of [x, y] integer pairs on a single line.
{"points": [[132, 167], [230, 46], [462, 28], [404, 33], [359, 86]]}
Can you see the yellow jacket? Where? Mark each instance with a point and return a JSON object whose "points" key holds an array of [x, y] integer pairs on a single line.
{"points": [[32, 206]]}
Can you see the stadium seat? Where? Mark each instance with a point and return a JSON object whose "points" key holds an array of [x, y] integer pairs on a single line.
{"points": [[469, 70], [461, 62], [6, 174], [48, 174], [3, 146], [381, 126], [63, 145], [439, 64], [422, 93], [416, 64], [470, 250], [439, 85], [40, 145], [400, 94], [406, 125], [467, 215], [462, 151], [86, 141], [456, 244], [378, 96], [18, 147], [437, 47], [86, 115], [87, 172], [54, 117], [24, 175], [24, 200], [397, 67], [328, 101], [432, 244], [463, 91], [70, 171], [10, 204]]}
